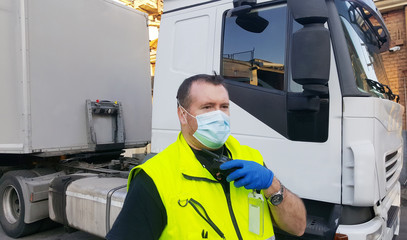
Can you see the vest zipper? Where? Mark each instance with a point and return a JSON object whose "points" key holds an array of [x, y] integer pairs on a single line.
{"points": [[197, 206], [226, 189]]}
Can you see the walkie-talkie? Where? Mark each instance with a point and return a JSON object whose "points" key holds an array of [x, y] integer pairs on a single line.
{"points": [[215, 167]]}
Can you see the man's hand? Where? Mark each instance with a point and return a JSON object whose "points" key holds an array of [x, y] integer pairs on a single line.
{"points": [[249, 174]]}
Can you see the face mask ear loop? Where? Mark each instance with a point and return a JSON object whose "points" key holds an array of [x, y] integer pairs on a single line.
{"points": [[180, 106]]}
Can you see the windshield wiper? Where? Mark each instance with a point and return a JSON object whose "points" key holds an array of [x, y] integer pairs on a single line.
{"points": [[382, 89]]}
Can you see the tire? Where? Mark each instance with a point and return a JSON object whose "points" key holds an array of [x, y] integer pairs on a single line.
{"points": [[12, 209]]}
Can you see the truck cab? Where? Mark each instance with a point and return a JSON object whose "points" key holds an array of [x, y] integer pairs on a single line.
{"points": [[308, 90]]}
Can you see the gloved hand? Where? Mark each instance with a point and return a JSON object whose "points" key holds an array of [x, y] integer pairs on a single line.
{"points": [[249, 174]]}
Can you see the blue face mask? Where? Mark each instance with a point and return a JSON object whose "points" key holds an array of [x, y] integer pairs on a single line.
{"points": [[213, 128]]}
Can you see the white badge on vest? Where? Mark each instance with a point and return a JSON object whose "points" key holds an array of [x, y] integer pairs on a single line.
{"points": [[256, 213]]}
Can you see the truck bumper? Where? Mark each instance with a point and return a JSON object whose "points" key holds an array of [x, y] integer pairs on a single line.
{"points": [[375, 229], [382, 227]]}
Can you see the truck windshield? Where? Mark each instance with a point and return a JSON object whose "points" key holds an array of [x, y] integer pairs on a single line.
{"points": [[363, 39]]}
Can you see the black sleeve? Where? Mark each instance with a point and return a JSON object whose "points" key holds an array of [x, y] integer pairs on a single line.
{"points": [[143, 215]]}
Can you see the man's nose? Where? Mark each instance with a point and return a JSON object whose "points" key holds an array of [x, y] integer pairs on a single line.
{"points": [[218, 107]]}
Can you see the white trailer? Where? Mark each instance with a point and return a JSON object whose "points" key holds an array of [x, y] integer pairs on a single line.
{"points": [[75, 83], [56, 55]]}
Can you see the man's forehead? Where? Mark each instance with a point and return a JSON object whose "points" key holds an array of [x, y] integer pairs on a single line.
{"points": [[204, 91]]}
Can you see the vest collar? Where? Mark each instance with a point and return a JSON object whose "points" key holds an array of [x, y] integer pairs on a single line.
{"points": [[191, 168]]}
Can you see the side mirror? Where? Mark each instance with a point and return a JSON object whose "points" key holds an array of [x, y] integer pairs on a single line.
{"points": [[310, 59], [311, 49]]}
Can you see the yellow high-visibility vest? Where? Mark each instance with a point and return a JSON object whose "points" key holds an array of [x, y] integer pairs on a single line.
{"points": [[196, 204]]}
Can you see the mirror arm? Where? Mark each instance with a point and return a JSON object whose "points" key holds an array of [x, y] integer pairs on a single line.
{"points": [[238, 3]]}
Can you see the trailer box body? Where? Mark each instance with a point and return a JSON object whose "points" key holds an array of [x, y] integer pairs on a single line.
{"points": [[54, 56]]}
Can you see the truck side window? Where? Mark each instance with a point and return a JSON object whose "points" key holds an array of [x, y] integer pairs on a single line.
{"points": [[254, 57]]}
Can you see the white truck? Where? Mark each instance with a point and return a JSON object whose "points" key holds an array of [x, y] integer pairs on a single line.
{"points": [[306, 83]]}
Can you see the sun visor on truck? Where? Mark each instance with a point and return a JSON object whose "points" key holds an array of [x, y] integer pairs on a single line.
{"points": [[375, 20]]}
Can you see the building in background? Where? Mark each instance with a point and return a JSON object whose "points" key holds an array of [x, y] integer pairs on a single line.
{"points": [[395, 61]]}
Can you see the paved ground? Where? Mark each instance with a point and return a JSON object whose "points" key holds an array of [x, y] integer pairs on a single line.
{"points": [[61, 234], [403, 217], [54, 234]]}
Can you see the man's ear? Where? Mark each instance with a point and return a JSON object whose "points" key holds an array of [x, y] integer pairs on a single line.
{"points": [[181, 116]]}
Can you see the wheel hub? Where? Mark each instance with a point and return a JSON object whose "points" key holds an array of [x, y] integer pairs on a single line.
{"points": [[11, 204]]}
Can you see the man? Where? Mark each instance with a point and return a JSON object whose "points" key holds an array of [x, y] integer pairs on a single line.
{"points": [[185, 192]]}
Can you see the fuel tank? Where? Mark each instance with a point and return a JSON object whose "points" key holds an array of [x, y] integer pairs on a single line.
{"points": [[87, 202]]}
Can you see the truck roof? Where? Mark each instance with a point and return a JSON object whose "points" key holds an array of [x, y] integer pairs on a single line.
{"points": [[170, 5]]}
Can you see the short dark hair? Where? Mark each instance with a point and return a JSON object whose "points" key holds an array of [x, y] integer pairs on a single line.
{"points": [[184, 89]]}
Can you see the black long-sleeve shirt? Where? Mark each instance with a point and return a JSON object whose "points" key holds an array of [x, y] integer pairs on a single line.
{"points": [[143, 215]]}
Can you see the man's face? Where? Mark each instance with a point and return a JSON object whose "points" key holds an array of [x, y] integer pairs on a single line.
{"points": [[204, 97]]}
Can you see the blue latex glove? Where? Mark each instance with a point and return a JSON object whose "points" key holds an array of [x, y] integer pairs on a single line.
{"points": [[249, 174]]}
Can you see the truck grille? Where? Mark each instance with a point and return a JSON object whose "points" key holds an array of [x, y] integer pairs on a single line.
{"points": [[393, 167]]}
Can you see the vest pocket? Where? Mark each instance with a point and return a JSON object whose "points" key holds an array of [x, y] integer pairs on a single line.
{"points": [[202, 213]]}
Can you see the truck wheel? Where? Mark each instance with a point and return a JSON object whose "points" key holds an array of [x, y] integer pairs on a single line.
{"points": [[12, 209]]}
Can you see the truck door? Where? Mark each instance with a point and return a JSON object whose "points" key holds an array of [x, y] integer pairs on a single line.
{"points": [[297, 128]]}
